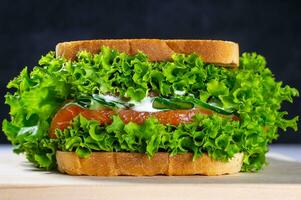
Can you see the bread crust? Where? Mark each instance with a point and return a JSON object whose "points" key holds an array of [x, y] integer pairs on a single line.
{"points": [[138, 164], [223, 53]]}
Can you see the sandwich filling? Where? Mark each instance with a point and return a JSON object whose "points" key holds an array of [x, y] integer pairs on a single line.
{"points": [[114, 102], [166, 111]]}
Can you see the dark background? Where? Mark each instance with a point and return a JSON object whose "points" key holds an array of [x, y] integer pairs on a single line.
{"points": [[29, 29]]}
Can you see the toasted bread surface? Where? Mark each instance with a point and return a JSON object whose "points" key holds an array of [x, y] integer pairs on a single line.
{"points": [[138, 164], [223, 53]]}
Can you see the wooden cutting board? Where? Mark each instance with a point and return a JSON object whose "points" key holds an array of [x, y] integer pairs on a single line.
{"points": [[19, 180]]}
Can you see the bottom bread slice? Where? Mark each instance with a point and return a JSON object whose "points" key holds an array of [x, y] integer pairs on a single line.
{"points": [[138, 164]]}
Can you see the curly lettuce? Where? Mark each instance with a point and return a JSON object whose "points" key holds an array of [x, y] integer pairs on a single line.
{"points": [[215, 135], [251, 91]]}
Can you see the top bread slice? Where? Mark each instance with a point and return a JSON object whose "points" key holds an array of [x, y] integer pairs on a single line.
{"points": [[223, 53]]}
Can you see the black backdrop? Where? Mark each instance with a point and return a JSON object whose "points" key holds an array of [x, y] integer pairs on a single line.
{"points": [[29, 29]]}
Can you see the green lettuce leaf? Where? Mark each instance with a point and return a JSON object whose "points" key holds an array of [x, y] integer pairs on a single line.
{"points": [[212, 134], [251, 91]]}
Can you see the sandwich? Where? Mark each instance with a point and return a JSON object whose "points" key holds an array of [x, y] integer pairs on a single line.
{"points": [[144, 107]]}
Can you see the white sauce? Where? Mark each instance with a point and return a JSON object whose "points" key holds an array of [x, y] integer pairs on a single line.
{"points": [[109, 98], [178, 92], [146, 105]]}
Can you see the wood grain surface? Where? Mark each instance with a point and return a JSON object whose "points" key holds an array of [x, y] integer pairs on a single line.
{"points": [[20, 180]]}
